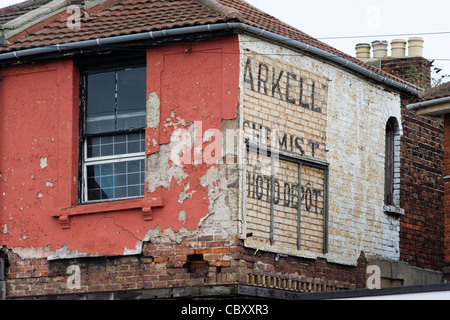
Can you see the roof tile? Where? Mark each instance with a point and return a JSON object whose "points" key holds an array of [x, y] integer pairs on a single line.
{"points": [[11, 12], [135, 16]]}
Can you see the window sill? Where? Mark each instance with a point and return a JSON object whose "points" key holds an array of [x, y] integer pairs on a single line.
{"points": [[393, 210], [144, 205]]}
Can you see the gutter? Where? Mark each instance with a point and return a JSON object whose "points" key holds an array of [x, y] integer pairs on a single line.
{"points": [[427, 104], [210, 28]]}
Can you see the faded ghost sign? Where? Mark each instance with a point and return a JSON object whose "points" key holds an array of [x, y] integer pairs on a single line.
{"points": [[286, 172], [284, 85]]}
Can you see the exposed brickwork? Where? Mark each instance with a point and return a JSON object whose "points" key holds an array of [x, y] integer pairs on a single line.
{"points": [[286, 109], [194, 263], [422, 191], [263, 266], [447, 196], [415, 70]]}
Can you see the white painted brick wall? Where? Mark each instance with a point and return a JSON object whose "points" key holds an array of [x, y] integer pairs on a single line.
{"points": [[354, 116]]}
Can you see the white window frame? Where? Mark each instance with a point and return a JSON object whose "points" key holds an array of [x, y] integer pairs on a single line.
{"points": [[106, 160]]}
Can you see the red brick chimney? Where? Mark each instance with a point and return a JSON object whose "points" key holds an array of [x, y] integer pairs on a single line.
{"points": [[413, 67]]}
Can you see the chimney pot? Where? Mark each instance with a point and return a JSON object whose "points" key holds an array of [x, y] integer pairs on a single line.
{"points": [[363, 51], [379, 49], [398, 48], [415, 48]]}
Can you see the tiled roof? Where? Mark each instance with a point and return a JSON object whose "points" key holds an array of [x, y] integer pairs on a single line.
{"points": [[120, 17], [123, 17], [440, 91], [16, 10]]}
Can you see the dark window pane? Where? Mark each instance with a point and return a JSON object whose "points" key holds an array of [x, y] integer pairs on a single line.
{"points": [[120, 167], [106, 169], [134, 147], [134, 166], [131, 90], [120, 148], [93, 147], [115, 181], [121, 192], [94, 194], [116, 144], [120, 138], [106, 150], [106, 182], [93, 184], [107, 139], [101, 91], [133, 179], [107, 193], [131, 98], [134, 191], [121, 180]]}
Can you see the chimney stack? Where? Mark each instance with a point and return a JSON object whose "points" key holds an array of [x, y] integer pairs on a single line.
{"points": [[398, 49], [412, 67]]}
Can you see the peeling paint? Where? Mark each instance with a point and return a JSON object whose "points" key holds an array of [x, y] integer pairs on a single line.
{"points": [[185, 195], [182, 216], [31, 253], [210, 178], [162, 177], [157, 236], [51, 189], [64, 253], [153, 111], [43, 162], [137, 250]]}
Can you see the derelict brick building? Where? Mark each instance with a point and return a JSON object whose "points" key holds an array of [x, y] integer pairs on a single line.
{"points": [[200, 147]]}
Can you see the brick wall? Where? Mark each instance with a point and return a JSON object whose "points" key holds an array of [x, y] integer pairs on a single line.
{"points": [[285, 107], [194, 263], [416, 70], [337, 118], [446, 173], [422, 191], [349, 130]]}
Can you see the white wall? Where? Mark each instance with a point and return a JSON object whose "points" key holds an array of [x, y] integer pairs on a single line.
{"points": [[356, 114]]}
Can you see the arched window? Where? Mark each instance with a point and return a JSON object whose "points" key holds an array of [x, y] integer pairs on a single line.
{"points": [[392, 167], [391, 127]]}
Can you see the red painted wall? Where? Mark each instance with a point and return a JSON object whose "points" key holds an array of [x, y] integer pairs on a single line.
{"points": [[39, 149], [38, 157]]}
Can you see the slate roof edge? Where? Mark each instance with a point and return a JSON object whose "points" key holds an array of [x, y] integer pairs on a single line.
{"points": [[15, 56]]}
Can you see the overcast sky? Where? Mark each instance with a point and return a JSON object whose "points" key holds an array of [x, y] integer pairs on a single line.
{"points": [[364, 21], [369, 20]]}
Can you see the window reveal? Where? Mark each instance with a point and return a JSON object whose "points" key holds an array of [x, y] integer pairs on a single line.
{"points": [[392, 192]]}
